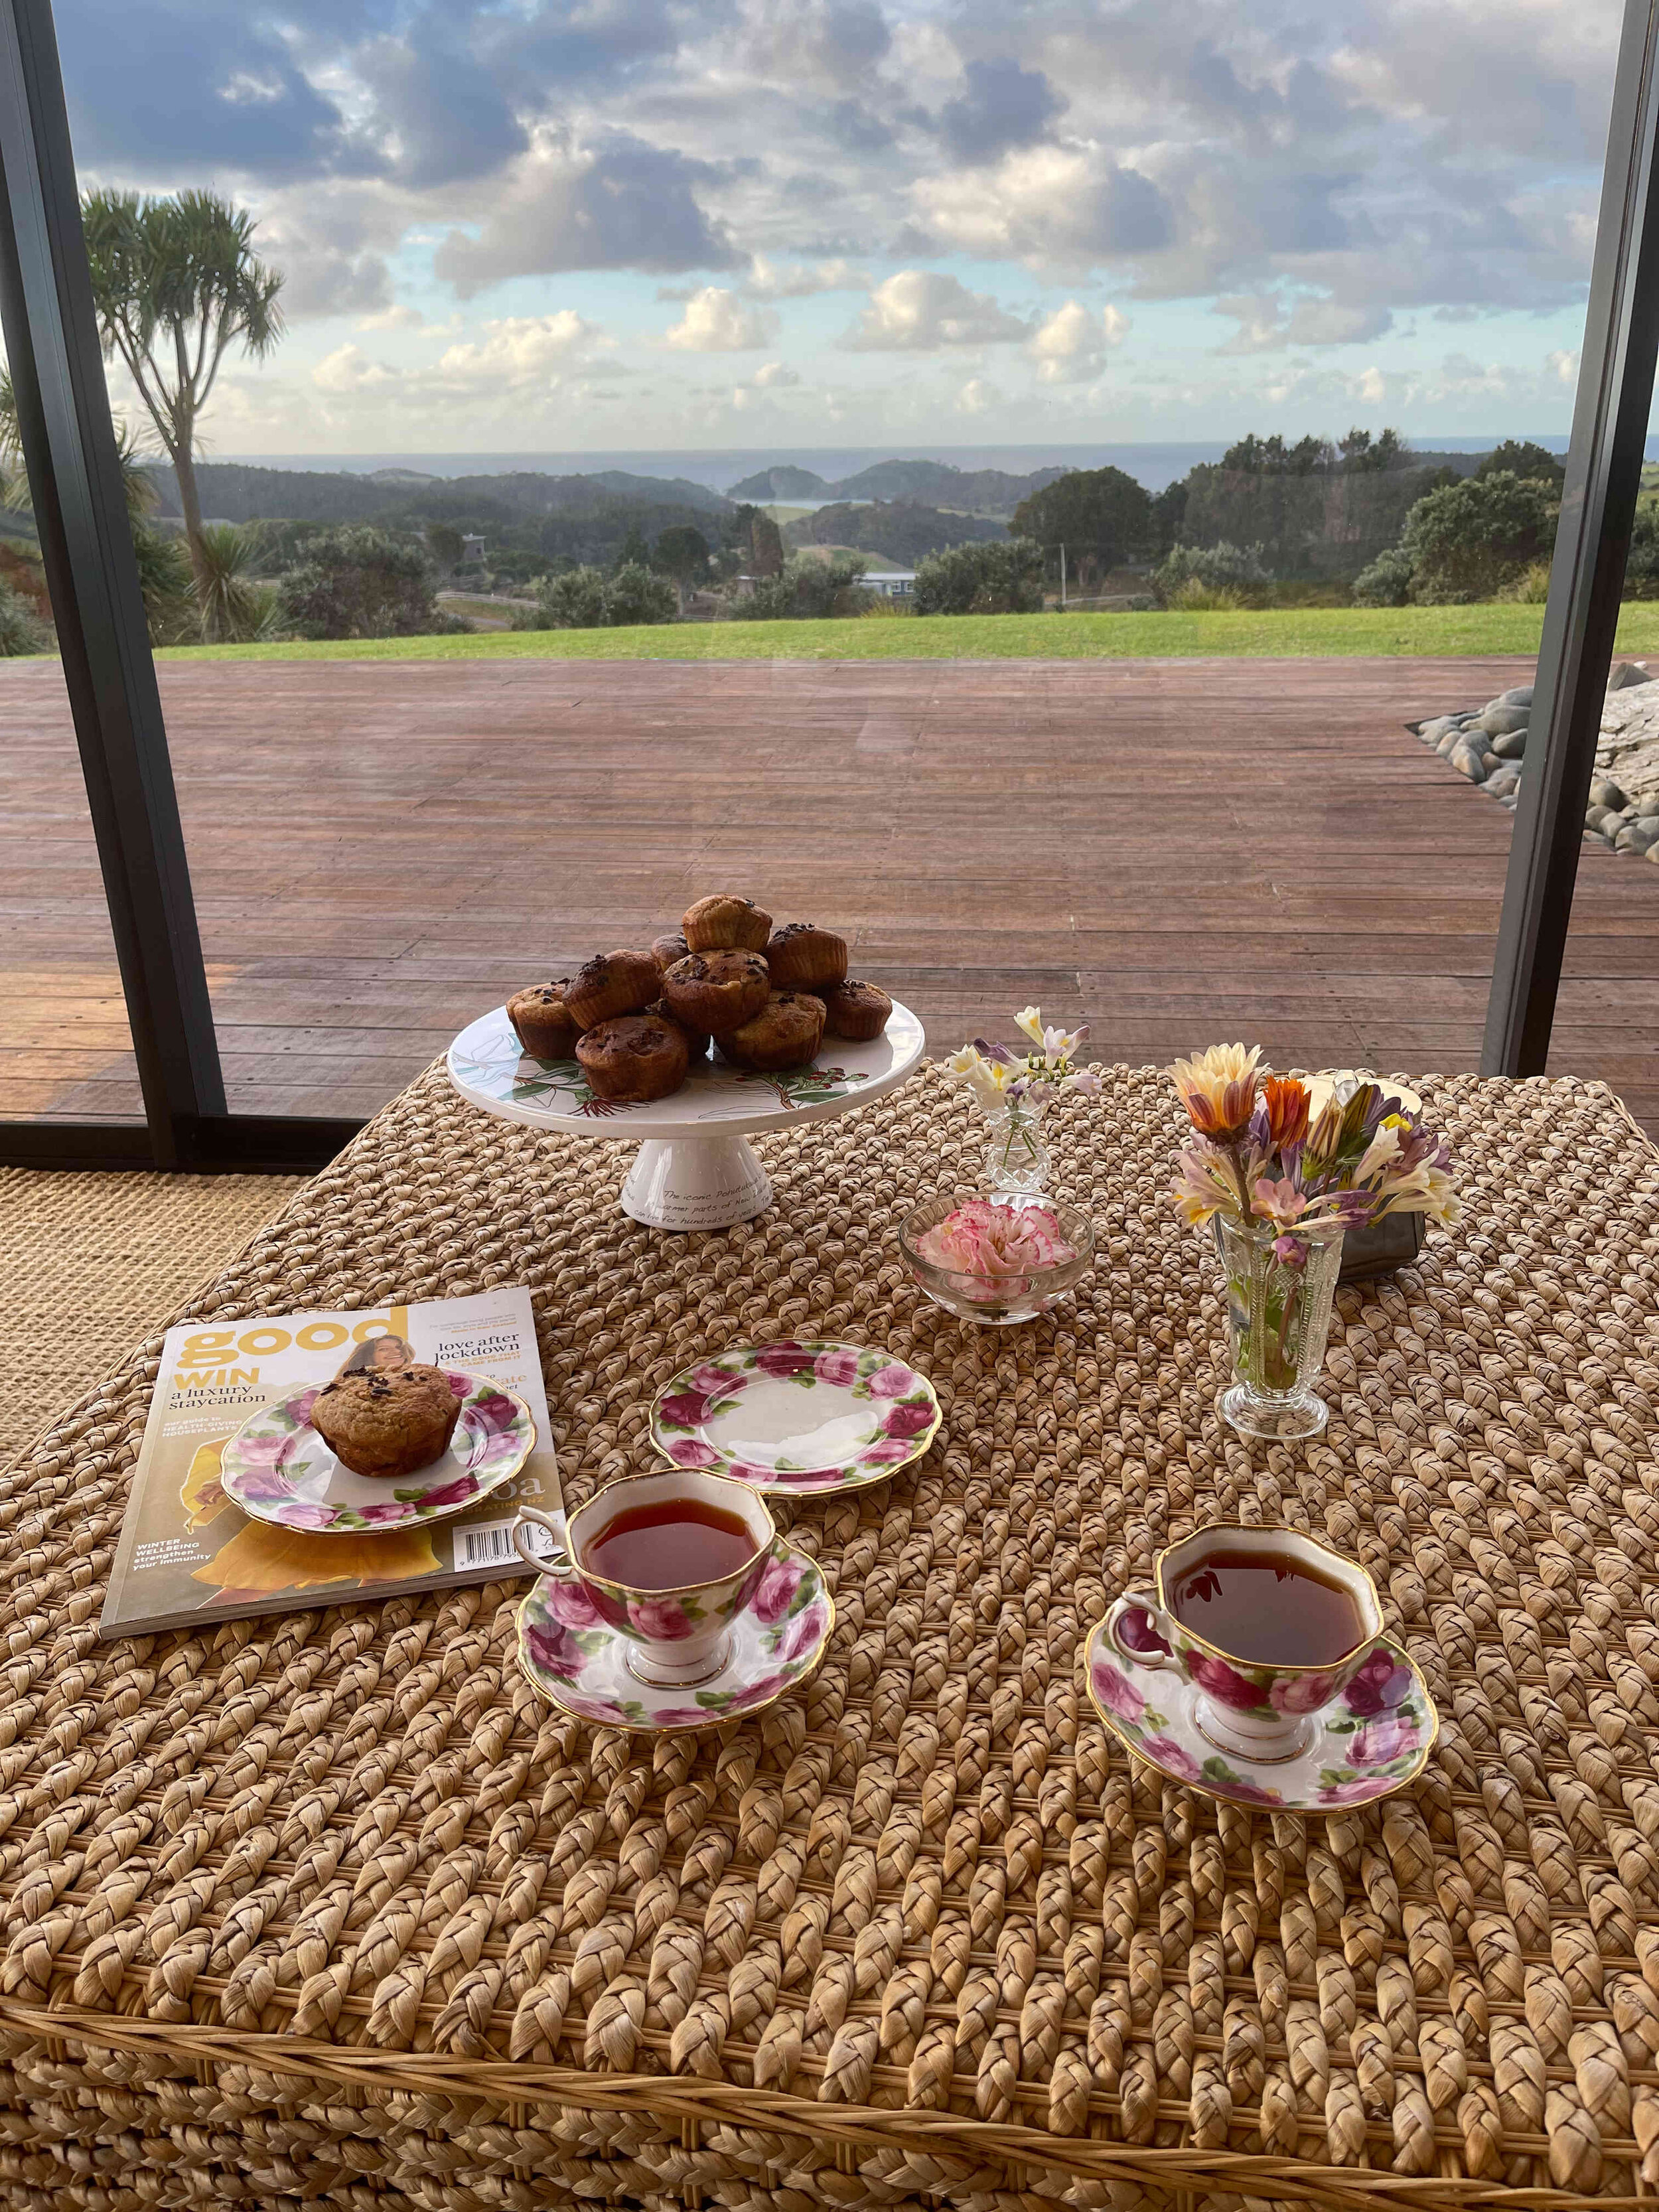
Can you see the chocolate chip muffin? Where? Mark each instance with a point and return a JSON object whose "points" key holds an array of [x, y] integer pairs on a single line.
{"points": [[697, 1042], [716, 991], [803, 957], [726, 923], [613, 983], [633, 1058], [665, 950], [542, 1022], [386, 1422], [857, 1011], [785, 1033]]}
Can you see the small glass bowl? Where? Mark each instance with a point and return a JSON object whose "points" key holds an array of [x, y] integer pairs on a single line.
{"points": [[1004, 1301]]}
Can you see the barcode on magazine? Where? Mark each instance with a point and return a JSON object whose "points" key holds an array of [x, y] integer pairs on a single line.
{"points": [[490, 1544]]}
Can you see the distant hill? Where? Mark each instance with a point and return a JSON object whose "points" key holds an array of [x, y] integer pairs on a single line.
{"points": [[782, 482], [936, 484], [237, 491], [656, 489], [903, 530]]}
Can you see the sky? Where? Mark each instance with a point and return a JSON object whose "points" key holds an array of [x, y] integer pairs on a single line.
{"points": [[626, 223]]}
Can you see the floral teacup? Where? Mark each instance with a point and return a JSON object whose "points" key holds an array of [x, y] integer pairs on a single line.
{"points": [[1254, 1710], [677, 1638]]}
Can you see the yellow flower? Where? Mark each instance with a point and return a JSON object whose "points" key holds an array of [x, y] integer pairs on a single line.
{"points": [[1218, 1089]]}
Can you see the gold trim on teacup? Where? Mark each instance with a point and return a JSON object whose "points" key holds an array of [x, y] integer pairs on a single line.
{"points": [[745, 1490], [1269, 1528]]}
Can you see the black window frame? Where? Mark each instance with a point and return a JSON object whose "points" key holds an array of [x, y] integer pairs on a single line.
{"points": [[69, 450]]}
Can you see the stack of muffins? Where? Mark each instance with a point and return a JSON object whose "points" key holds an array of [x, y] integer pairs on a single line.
{"points": [[636, 1021]]}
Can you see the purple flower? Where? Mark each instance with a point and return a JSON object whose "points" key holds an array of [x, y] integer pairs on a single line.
{"points": [[1116, 1691], [686, 1451], [686, 1409], [1136, 1633], [556, 1650], [908, 1420], [452, 1493], [841, 1368], [1380, 1681], [892, 1381], [1168, 1753], [662, 1618], [783, 1361], [776, 1589], [572, 1604], [1225, 1683]]}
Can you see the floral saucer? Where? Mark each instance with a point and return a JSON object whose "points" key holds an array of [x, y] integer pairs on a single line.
{"points": [[1373, 1737], [574, 1659], [278, 1469], [797, 1416]]}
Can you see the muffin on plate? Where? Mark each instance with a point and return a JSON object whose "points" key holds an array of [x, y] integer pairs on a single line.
{"points": [[633, 1058], [716, 991], [857, 1011], [542, 1022], [386, 1421], [613, 983], [697, 1042], [785, 1033], [726, 923], [665, 950], [803, 957]]}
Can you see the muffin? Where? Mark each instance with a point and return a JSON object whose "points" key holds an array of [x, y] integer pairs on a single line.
{"points": [[613, 983], [803, 957], [386, 1422], [726, 923], [665, 950], [785, 1033], [697, 1042], [716, 991], [634, 1057], [542, 1022], [857, 1011]]}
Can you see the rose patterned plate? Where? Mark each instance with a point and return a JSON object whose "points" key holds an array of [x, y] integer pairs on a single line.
{"points": [[797, 1416], [1372, 1738], [573, 1658], [278, 1468]]}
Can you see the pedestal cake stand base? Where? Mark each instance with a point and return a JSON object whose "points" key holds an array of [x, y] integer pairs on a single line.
{"points": [[696, 1183]]}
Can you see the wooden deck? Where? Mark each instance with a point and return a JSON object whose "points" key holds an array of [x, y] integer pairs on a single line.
{"points": [[1175, 851]]}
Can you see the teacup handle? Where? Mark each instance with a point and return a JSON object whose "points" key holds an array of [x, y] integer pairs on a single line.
{"points": [[1158, 1631], [558, 1562]]}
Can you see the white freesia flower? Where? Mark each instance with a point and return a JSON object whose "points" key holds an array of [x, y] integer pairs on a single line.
{"points": [[1029, 1021], [1059, 1044], [1383, 1147], [964, 1061]]}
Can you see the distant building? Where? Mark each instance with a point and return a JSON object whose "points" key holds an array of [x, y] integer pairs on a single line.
{"points": [[472, 549], [890, 583]]}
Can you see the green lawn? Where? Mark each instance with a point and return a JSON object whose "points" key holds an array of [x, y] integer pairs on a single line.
{"points": [[1272, 634]]}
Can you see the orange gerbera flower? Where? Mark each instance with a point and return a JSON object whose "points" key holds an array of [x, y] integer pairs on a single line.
{"points": [[1287, 1102]]}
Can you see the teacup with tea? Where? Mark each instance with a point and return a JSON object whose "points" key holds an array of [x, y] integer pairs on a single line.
{"points": [[668, 1560], [1267, 1624]]}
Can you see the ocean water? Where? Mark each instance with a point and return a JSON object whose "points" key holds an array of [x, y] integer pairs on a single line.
{"points": [[1154, 465]]}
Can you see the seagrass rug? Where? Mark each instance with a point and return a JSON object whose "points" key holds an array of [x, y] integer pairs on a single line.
{"points": [[90, 1263]]}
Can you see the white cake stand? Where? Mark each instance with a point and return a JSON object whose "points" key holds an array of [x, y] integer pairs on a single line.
{"points": [[695, 1168]]}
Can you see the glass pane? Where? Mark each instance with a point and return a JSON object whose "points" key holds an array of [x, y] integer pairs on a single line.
{"points": [[65, 1047], [972, 485]]}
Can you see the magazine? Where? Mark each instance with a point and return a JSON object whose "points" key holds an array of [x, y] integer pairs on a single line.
{"points": [[188, 1553]]}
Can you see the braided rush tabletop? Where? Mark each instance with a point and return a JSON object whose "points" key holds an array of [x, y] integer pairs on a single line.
{"points": [[329, 1908]]}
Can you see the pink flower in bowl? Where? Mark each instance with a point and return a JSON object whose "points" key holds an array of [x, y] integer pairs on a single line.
{"points": [[997, 1243]]}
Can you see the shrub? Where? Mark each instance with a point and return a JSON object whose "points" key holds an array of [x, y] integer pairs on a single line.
{"points": [[1469, 540], [1532, 586], [1223, 566], [1387, 583], [634, 595], [361, 582], [1195, 597], [807, 590], [1004, 579], [165, 580], [230, 607], [20, 629], [1642, 566], [587, 599]]}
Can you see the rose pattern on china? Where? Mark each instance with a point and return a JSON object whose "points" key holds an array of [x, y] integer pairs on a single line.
{"points": [[1381, 1680], [839, 1366], [892, 1381], [783, 1362], [909, 1418], [1116, 1691], [664, 1619], [686, 1451], [1225, 1683], [713, 1381], [555, 1649], [449, 1493], [893, 1454], [1170, 1754], [1302, 1693], [573, 1605], [1381, 1739], [780, 1580], [907, 1412]]}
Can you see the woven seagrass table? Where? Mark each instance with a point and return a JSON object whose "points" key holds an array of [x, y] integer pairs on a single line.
{"points": [[327, 1909]]}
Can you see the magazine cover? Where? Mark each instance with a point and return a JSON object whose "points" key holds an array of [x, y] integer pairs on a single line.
{"points": [[189, 1552]]}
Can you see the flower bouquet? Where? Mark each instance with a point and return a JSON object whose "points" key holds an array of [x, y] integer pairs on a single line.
{"points": [[1013, 1088], [1284, 1173]]}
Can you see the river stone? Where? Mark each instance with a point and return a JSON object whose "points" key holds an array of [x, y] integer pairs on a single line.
{"points": [[1511, 745], [1605, 792], [1438, 726], [1632, 839], [1520, 696], [1450, 742], [1468, 762], [1503, 779], [1648, 822], [1594, 817], [1498, 719]]}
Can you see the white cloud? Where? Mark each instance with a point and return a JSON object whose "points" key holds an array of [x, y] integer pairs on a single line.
{"points": [[768, 280], [1266, 322], [1052, 207], [921, 310], [976, 397], [519, 354], [1070, 347], [400, 317], [774, 376], [717, 321]]}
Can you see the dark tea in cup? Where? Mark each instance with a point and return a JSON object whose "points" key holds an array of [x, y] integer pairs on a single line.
{"points": [[669, 1543], [1270, 1606]]}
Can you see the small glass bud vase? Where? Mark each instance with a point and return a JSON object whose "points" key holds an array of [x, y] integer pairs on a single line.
{"points": [[1017, 1159], [1280, 1289]]}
